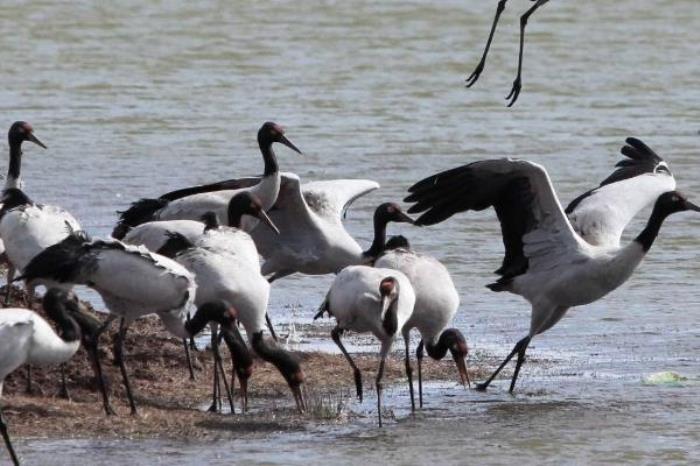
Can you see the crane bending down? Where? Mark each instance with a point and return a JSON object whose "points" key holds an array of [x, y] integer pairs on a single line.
{"points": [[371, 300], [436, 304], [512, 97], [546, 261], [226, 266], [132, 281], [26, 338]]}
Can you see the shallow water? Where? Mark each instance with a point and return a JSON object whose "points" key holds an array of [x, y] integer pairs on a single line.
{"points": [[137, 98]]}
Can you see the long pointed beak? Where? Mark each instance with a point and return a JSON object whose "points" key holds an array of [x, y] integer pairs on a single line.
{"points": [[298, 398], [386, 302], [35, 140], [244, 393], [692, 206], [462, 370], [262, 215], [288, 143], [403, 218]]}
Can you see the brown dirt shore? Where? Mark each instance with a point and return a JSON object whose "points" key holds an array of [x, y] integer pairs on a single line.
{"points": [[173, 406]]}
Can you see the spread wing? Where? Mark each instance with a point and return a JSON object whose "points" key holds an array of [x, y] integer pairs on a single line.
{"points": [[601, 215], [535, 229], [300, 213], [290, 214], [331, 199]]}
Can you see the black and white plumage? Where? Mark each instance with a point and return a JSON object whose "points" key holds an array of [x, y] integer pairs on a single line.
{"points": [[26, 228], [517, 84], [436, 304], [153, 235], [226, 267], [132, 281], [546, 261], [312, 237], [156, 235], [380, 301], [191, 203], [600, 215], [26, 338]]}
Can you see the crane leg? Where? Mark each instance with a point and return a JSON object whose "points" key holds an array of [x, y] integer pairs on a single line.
{"points": [[336, 333], [518, 364], [409, 375], [193, 347], [8, 442], [29, 389], [219, 364], [275, 276], [270, 327], [519, 347], [384, 351], [187, 351], [121, 336], [419, 357], [8, 287], [63, 392], [517, 84], [97, 366], [474, 77], [216, 387], [188, 356]]}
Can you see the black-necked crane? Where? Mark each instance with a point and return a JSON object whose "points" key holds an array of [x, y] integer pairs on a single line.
{"points": [[373, 300], [26, 338], [436, 304], [155, 235], [226, 266], [191, 203], [132, 281], [517, 83], [19, 132], [312, 237], [26, 228], [546, 261]]}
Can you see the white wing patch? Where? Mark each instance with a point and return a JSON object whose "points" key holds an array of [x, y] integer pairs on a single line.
{"points": [[602, 217]]}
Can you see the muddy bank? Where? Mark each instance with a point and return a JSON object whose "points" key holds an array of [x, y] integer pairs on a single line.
{"points": [[173, 406]]}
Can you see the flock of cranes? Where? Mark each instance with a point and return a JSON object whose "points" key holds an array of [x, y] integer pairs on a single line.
{"points": [[192, 257]]}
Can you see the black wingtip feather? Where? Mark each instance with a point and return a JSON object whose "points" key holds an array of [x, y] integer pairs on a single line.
{"points": [[638, 150], [60, 262], [139, 212]]}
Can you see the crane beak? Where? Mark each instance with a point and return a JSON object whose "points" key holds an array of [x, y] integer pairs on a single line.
{"points": [[298, 398], [386, 302], [692, 206], [35, 140], [462, 370], [403, 218], [288, 143], [262, 215], [244, 393]]}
